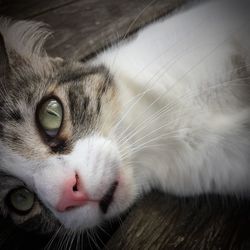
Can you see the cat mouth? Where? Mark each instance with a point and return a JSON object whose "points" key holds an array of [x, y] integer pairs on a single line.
{"points": [[108, 198]]}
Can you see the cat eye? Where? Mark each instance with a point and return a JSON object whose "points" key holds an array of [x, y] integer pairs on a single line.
{"points": [[21, 200], [50, 115]]}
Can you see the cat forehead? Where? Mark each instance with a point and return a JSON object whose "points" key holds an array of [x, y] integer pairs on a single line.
{"points": [[25, 89]]}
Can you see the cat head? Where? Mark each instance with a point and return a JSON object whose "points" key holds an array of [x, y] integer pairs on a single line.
{"points": [[61, 163]]}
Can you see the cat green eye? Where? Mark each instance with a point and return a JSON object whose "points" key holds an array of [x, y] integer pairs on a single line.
{"points": [[21, 200], [50, 115]]}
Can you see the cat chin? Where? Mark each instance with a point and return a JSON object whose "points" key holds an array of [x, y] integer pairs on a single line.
{"points": [[81, 218]]}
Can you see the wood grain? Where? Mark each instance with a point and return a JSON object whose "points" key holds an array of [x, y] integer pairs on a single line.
{"points": [[166, 222], [24, 9], [84, 27]]}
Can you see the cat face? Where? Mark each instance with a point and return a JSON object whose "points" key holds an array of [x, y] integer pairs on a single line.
{"points": [[60, 162]]}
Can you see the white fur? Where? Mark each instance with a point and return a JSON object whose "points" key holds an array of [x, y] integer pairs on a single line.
{"points": [[181, 62]]}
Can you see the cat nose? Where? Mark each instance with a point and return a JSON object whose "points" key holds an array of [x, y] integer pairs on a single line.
{"points": [[72, 196]]}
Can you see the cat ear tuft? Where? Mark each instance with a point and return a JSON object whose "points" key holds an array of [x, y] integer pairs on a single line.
{"points": [[4, 61], [57, 60]]}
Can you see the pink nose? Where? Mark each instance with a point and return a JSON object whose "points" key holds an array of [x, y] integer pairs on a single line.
{"points": [[72, 196]]}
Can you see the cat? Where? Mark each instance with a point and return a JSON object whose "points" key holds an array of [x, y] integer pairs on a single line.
{"points": [[167, 109]]}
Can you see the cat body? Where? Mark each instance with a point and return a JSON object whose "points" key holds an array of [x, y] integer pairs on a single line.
{"points": [[193, 68], [167, 109]]}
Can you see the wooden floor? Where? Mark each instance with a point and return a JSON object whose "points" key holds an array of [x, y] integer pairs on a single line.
{"points": [[83, 27]]}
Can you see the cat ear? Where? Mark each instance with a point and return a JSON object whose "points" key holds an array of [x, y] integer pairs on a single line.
{"points": [[4, 61]]}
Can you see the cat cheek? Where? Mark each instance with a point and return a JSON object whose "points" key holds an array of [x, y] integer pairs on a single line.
{"points": [[48, 180]]}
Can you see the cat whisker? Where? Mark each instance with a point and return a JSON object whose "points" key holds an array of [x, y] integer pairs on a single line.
{"points": [[197, 64], [157, 99], [104, 231], [51, 241], [162, 135], [140, 128], [77, 239], [73, 237], [98, 238], [66, 239], [92, 237], [140, 95], [62, 239], [139, 147], [149, 86], [168, 108], [89, 238], [129, 28]]}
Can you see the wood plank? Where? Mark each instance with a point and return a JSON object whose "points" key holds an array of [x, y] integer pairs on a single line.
{"points": [[22, 9], [166, 222], [84, 27]]}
